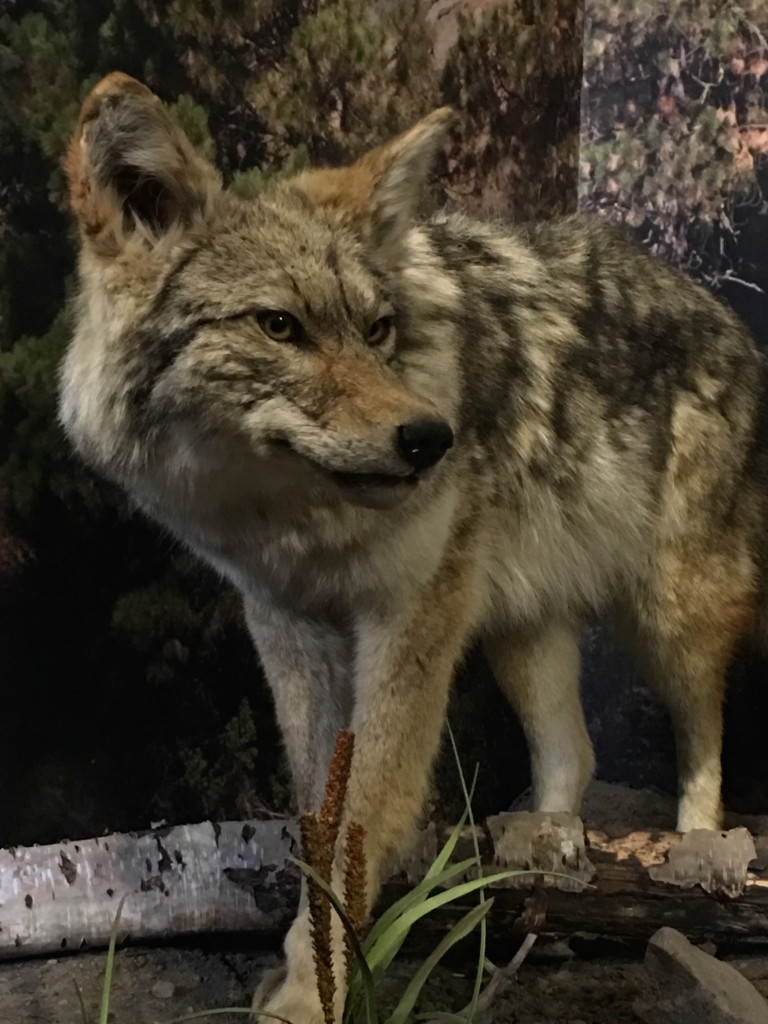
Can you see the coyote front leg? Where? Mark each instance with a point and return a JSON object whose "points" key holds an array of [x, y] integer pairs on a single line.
{"points": [[308, 662], [405, 662]]}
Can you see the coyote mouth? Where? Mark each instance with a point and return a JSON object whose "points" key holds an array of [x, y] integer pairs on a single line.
{"points": [[363, 480], [359, 482]]}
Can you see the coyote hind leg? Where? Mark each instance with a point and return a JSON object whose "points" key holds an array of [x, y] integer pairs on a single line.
{"points": [[701, 607], [539, 675]]}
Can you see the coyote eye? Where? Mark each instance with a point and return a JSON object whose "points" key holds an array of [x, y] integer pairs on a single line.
{"points": [[380, 330], [279, 326]]}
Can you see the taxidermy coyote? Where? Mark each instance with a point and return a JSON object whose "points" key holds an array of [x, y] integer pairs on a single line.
{"points": [[396, 436]]}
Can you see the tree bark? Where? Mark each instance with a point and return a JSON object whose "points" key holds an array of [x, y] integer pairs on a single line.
{"points": [[192, 879]]}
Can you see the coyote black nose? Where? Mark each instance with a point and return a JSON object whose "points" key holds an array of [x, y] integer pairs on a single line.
{"points": [[424, 442]]}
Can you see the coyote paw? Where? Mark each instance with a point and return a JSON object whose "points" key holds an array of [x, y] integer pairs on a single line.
{"points": [[269, 985], [297, 1003], [290, 992]]}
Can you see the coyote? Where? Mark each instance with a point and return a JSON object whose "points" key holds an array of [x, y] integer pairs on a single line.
{"points": [[398, 435]]}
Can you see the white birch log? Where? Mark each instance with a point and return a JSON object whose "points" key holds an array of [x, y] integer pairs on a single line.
{"points": [[177, 881], [238, 877]]}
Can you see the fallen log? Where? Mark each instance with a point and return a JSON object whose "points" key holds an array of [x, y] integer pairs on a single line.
{"points": [[179, 881], [237, 877], [712, 886]]}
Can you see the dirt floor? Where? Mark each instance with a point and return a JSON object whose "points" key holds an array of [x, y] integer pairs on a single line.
{"points": [[157, 985], [152, 986]]}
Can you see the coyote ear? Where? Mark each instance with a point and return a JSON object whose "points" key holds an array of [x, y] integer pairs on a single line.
{"points": [[131, 168], [378, 196]]}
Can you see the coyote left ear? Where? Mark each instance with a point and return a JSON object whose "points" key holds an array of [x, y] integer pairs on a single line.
{"points": [[379, 195], [131, 168]]}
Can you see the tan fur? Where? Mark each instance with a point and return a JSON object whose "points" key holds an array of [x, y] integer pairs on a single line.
{"points": [[81, 200], [608, 453], [191, 180], [346, 192]]}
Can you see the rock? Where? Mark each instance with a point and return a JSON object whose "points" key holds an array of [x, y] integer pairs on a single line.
{"points": [[163, 990], [691, 987]]}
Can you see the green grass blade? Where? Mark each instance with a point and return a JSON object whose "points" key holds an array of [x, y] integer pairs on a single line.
{"points": [[220, 1011], [469, 1013], [438, 874], [369, 988], [416, 895], [443, 857], [390, 917], [379, 957], [387, 945], [462, 928], [104, 1014], [81, 1001], [440, 1015]]}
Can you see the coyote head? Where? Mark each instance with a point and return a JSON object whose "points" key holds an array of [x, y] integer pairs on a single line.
{"points": [[253, 340]]}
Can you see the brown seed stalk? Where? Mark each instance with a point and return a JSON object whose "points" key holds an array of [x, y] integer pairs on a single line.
{"points": [[317, 855], [354, 887], [336, 787], [319, 836]]}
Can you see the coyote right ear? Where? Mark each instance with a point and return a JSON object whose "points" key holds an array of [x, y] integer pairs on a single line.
{"points": [[378, 196], [129, 166]]}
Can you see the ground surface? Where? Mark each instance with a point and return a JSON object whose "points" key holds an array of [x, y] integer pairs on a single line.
{"points": [[153, 986]]}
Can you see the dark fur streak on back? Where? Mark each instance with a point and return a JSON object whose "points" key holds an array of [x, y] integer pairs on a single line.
{"points": [[459, 251], [494, 367]]}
